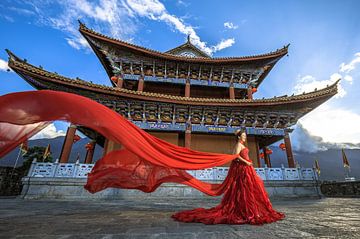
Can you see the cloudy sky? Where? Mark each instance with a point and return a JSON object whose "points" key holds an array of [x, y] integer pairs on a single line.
{"points": [[324, 37]]}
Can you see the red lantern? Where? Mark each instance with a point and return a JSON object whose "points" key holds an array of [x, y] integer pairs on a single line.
{"points": [[114, 79], [89, 146], [76, 138], [261, 155], [269, 151], [253, 90], [282, 146]]}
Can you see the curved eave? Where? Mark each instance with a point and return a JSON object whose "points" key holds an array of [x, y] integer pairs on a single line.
{"points": [[308, 100], [86, 32]]}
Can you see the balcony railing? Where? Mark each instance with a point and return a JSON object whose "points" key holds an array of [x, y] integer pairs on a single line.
{"points": [[79, 170]]}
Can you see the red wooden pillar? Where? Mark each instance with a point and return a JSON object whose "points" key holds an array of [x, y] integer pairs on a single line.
{"points": [[68, 142], [105, 147], [257, 154], [266, 158], [232, 92], [188, 136], [249, 93], [90, 153], [120, 82], [187, 89], [289, 153], [141, 84]]}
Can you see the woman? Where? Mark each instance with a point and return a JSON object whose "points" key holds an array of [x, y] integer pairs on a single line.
{"points": [[244, 201]]}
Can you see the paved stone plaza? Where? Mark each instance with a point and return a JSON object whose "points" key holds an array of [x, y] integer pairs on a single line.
{"points": [[316, 218]]}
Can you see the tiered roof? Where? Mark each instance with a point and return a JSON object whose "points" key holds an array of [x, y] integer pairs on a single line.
{"points": [[304, 102], [102, 44]]}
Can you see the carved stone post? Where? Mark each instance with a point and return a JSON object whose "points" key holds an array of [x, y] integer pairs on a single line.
{"points": [[68, 142]]}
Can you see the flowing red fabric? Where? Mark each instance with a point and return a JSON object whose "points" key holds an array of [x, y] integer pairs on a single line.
{"points": [[144, 163], [244, 201]]}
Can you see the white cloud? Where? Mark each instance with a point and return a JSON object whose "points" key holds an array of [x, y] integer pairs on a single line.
{"points": [[230, 25], [155, 10], [333, 125], [223, 44], [329, 126], [48, 133], [347, 68], [117, 18], [108, 16], [310, 83], [4, 65]]}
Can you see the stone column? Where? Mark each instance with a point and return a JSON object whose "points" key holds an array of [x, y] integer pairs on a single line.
{"points": [[141, 84], [232, 92], [68, 142], [266, 158], [289, 152], [187, 89], [249, 93], [90, 153]]}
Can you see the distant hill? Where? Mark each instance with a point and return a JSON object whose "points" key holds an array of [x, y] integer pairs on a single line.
{"points": [[330, 160]]}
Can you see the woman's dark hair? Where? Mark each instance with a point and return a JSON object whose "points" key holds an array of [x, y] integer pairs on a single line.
{"points": [[238, 132]]}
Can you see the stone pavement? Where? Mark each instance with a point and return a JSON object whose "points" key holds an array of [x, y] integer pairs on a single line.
{"points": [[315, 218]]}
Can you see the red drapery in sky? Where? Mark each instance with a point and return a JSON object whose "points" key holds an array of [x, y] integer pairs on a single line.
{"points": [[144, 163]]}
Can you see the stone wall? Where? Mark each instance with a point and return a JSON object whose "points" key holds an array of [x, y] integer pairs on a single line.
{"points": [[10, 181], [341, 189], [72, 188]]}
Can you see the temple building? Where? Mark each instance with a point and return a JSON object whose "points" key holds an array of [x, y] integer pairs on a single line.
{"points": [[183, 96]]}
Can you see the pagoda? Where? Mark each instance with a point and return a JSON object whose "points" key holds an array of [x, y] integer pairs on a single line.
{"points": [[183, 96]]}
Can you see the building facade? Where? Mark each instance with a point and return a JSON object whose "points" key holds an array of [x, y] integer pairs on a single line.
{"points": [[183, 96]]}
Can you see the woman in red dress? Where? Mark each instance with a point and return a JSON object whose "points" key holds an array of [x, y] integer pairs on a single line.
{"points": [[245, 200]]}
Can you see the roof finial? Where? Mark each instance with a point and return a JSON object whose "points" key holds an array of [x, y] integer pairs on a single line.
{"points": [[188, 38]]}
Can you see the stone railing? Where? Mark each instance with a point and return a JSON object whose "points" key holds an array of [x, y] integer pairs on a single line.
{"points": [[78, 170]]}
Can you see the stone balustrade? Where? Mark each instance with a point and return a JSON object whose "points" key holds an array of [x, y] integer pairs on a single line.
{"points": [[78, 170]]}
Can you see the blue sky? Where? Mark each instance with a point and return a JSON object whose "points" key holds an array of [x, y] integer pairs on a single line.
{"points": [[324, 38]]}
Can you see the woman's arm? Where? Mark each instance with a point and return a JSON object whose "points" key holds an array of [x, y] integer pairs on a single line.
{"points": [[245, 161]]}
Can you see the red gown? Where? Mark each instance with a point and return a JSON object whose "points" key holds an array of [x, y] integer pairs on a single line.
{"points": [[245, 200]]}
